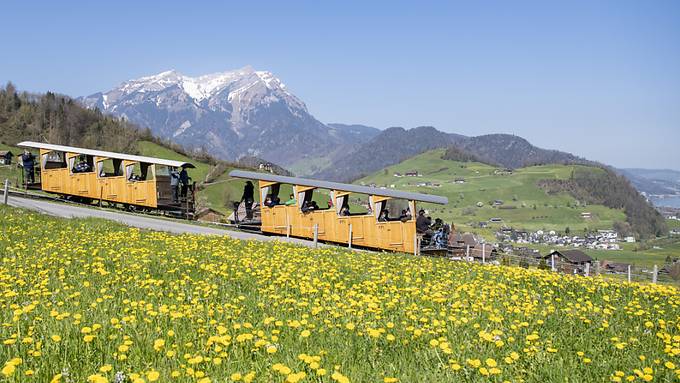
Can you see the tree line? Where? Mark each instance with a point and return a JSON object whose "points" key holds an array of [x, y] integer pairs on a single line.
{"points": [[60, 120]]}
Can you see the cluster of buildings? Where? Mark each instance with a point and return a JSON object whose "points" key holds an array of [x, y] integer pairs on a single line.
{"points": [[413, 173], [600, 240]]}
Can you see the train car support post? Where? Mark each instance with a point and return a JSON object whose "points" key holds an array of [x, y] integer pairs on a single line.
{"points": [[5, 196], [483, 253], [552, 262], [316, 235], [349, 237]]}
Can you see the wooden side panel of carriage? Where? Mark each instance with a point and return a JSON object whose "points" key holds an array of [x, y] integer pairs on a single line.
{"points": [[366, 231], [90, 185]]}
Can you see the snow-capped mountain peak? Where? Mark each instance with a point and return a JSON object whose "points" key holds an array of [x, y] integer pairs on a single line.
{"points": [[237, 112], [205, 86]]}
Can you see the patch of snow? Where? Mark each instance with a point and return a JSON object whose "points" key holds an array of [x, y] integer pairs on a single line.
{"points": [[182, 128]]}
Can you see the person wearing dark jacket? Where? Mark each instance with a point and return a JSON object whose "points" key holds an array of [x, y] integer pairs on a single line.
{"points": [[423, 224], [174, 184], [184, 179], [28, 162], [248, 198]]}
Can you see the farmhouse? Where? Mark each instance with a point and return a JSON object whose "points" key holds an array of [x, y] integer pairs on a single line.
{"points": [[614, 267], [586, 215], [462, 241], [575, 258], [411, 174], [6, 157], [459, 180], [502, 172], [488, 253]]}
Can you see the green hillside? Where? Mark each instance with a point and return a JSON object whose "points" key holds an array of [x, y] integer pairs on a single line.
{"points": [[525, 205], [10, 172]]}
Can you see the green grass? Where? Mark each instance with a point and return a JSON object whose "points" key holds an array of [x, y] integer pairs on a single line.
{"points": [[151, 149], [86, 300], [11, 172], [534, 209]]}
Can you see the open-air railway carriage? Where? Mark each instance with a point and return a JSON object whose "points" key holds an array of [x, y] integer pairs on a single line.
{"points": [[364, 229], [94, 175]]}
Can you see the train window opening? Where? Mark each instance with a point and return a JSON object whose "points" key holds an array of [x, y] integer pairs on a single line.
{"points": [[315, 199], [342, 205], [270, 195], [54, 160], [350, 205], [139, 171], [392, 209], [81, 164], [110, 167]]}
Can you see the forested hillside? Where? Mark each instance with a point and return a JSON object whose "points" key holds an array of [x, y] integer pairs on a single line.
{"points": [[58, 119], [546, 197], [614, 191]]}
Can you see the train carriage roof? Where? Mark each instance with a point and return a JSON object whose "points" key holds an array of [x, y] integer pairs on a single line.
{"points": [[101, 153], [340, 186]]}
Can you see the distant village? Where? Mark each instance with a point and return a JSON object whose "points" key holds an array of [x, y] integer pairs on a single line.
{"points": [[599, 240]]}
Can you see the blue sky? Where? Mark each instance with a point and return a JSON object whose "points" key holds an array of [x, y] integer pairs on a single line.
{"points": [[597, 78]]}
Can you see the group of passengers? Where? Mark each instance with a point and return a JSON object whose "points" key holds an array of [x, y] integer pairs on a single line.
{"points": [[436, 234], [82, 166], [274, 200], [179, 183], [384, 216]]}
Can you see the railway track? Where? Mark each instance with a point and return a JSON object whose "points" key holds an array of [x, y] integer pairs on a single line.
{"points": [[59, 207]]}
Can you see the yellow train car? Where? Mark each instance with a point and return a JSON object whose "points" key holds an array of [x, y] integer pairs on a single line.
{"points": [[87, 175], [372, 228]]}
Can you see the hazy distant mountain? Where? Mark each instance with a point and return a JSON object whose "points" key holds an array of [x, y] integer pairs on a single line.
{"points": [[514, 152], [354, 133], [654, 181], [396, 144], [232, 114], [389, 147]]}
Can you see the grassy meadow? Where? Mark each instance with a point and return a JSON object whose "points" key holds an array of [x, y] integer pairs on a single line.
{"points": [[92, 301], [532, 208]]}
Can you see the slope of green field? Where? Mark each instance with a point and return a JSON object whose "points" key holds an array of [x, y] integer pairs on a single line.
{"points": [[10, 172], [150, 149], [218, 193], [525, 205]]}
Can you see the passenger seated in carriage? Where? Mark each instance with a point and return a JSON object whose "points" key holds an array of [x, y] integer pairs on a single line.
{"points": [[82, 166], [423, 224], [308, 206], [405, 215], [291, 200], [271, 201]]}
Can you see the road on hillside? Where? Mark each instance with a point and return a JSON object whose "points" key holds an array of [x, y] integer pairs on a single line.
{"points": [[66, 210]]}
